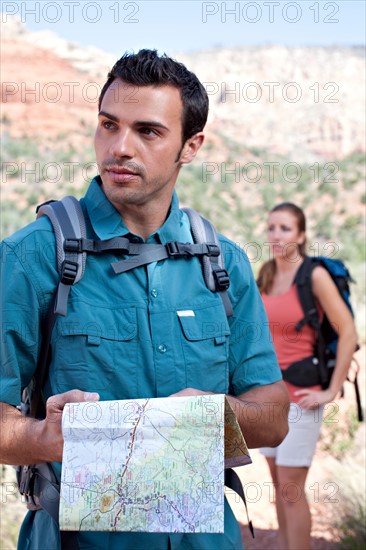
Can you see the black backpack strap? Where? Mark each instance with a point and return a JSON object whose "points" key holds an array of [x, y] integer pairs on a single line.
{"points": [[311, 315], [354, 381], [306, 296], [232, 480], [37, 482], [68, 223], [37, 404], [47, 491], [69, 540], [214, 272]]}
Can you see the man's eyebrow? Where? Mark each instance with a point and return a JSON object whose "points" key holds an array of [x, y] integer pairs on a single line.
{"points": [[154, 123], [149, 123], [107, 115]]}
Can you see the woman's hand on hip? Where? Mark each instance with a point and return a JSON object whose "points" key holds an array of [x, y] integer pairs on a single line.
{"points": [[311, 399]]}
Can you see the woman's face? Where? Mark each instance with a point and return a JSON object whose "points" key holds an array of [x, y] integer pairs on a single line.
{"points": [[284, 236]]}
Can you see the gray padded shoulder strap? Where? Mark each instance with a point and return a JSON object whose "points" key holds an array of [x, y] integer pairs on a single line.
{"points": [[213, 266], [204, 232], [68, 223]]}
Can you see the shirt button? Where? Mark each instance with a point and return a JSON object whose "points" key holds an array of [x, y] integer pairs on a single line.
{"points": [[162, 348], [154, 293]]}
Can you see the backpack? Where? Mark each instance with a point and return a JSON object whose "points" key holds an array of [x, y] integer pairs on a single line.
{"points": [[72, 247], [326, 336]]}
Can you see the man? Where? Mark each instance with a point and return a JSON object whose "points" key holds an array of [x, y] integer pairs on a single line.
{"points": [[123, 336]]}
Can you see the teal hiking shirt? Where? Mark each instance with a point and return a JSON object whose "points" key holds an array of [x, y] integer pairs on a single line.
{"points": [[125, 337]]}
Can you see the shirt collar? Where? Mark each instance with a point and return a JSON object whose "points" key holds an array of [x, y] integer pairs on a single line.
{"points": [[169, 231], [108, 223], [105, 220]]}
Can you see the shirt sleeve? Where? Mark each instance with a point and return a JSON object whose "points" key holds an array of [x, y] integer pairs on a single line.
{"points": [[252, 359], [24, 299]]}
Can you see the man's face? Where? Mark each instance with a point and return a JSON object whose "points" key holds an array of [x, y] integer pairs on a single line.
{"points": [[137, 143]]}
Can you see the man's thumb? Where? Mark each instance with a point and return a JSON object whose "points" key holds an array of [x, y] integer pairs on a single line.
{"points": [[91, 396]]}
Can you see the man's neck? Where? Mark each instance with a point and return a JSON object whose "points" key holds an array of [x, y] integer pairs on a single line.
{"points": [[144, 222]]}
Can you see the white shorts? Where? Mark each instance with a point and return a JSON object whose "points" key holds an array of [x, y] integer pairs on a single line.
{"points": [[298, 447]]}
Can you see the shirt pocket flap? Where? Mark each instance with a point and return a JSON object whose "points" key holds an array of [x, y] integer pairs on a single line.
{"points": [[206, 324], [97, 322]]}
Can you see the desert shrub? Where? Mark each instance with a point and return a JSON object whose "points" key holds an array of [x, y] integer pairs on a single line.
{"points": [[350, 477]]}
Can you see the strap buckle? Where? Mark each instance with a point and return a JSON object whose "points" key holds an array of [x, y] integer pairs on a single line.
{"points": [[222, 280], [25, 476], [69, 272], [175, 249], [73, 245], [212, 250], [182, 250]]}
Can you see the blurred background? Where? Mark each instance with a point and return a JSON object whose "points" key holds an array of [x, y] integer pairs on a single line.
{"points": [[286, 82]]}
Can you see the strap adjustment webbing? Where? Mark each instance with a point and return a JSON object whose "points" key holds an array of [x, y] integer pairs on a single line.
{"points": [[116, 244], [143, 254]]}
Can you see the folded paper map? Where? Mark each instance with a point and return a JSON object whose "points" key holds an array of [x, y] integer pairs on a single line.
{"points": [[151, 465]]}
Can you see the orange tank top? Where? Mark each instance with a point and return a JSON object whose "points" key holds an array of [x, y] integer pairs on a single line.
{"points": [[284, 311]]}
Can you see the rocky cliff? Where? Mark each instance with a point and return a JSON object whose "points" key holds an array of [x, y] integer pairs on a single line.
{"points": [[306, 103]]}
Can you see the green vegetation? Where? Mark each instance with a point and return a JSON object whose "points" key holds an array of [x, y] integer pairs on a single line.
{"points": [[349, 477], [32, 173], [338, 433], [235, 194], [342, 441], [352, 526]]}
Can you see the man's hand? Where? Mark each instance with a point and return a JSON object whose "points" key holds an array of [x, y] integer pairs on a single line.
{"points": [[261, 413], [24, 440], [50, 429]]}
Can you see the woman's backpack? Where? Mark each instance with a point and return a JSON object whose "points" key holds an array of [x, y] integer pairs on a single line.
{"points": [[326, 336]]}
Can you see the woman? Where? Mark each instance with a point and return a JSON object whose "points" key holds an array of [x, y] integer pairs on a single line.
{"points": [[289, 462]]}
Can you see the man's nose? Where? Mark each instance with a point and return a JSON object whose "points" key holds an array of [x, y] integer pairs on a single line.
{"points": [[123, 144]]}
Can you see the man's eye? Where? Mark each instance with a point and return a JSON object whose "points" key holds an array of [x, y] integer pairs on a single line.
{"points": [[108, 125], [148, 131]]}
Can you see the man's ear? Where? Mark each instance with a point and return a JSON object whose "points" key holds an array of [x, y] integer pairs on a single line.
{"points": [[191, 147]]}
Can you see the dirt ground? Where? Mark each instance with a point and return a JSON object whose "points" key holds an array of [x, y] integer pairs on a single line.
{"points": [[257, 482]]}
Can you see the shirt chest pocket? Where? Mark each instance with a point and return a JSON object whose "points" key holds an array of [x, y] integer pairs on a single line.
{"points": [[205, 344], [94, 349]]}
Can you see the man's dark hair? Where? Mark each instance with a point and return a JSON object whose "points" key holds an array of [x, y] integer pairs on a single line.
{"points": [[147, 68]]}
